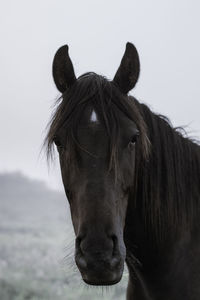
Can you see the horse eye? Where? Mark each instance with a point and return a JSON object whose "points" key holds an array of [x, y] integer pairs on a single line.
{"points": [[132, 142], [135, 137], [57, 142]]}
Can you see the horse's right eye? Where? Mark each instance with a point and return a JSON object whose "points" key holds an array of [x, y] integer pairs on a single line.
{"points": [[57, 142]]}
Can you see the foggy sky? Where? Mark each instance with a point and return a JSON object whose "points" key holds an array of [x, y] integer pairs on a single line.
{"points": [[166, 34]]}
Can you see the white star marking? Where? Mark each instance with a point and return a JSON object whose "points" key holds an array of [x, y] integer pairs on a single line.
{"points": [[93, 117]]}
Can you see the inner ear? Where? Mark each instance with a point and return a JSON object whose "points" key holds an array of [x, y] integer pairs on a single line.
{"points": [[63, 71], [129, 69]]}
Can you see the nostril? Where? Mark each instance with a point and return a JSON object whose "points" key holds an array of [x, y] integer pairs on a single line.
{"points": [[81, 262], [115, 244], [78, 250], [115, 262], [79, 240]]}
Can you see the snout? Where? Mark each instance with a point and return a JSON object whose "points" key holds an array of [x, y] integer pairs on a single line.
{"points": [[100, 260]]}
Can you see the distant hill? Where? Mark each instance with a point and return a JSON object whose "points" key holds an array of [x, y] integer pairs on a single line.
{"points": [[22, 198], [18, 185]]}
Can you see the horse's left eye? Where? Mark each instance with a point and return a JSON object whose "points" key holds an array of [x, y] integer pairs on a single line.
{"points": [[133, 141], [135, 137]]}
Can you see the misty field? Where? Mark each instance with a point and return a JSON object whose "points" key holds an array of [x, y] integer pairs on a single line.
{"points": [[37, 245]]}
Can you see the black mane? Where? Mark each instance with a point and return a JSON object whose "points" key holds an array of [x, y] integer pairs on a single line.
{"points": [[168, 183]]}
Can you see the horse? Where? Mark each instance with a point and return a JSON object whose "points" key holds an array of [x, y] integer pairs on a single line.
{"points": [[132, 182]]}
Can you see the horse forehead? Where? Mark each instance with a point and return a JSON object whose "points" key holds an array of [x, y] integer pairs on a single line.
{"points": [[88, 116], [92, 132], [90, 119]]}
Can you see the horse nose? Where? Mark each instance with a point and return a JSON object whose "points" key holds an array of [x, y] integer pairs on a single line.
{"points": [[97, 255]]}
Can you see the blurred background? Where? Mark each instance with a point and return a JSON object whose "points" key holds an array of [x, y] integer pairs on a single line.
{"points": [[36, 235]]}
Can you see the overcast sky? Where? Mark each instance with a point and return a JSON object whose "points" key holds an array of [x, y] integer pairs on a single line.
{"points": [[166, 34]]}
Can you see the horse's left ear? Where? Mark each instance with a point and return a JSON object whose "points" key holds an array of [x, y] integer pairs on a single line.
{"points": [[129, 69], [63, 71]]}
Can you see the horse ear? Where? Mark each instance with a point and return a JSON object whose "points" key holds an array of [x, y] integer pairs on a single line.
{"points": [[63, 71], [129, 69]]}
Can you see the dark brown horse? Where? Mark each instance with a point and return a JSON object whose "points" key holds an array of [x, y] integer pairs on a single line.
{"points": [[132, 181]]}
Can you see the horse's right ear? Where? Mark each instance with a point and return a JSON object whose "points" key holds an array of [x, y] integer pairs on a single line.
{"points": [[63, 71]]}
